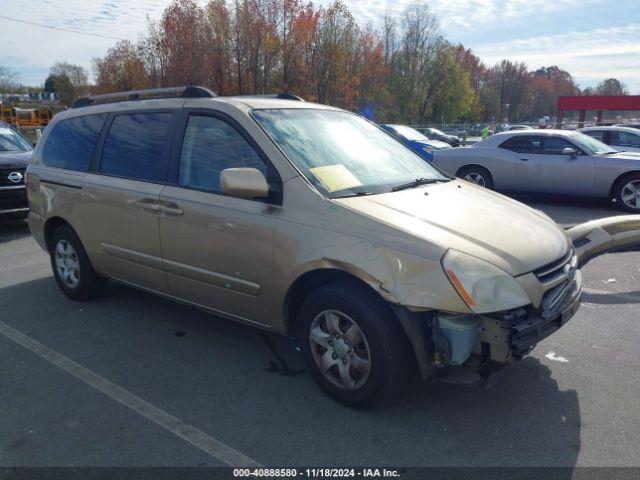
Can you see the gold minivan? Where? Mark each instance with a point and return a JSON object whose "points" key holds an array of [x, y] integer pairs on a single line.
{"points": [[304, 220]]}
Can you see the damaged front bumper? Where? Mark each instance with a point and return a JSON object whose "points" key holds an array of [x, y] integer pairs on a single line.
{"points": [[555, 291], [513, 334]]}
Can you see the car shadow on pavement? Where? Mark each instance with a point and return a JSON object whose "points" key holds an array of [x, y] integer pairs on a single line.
{"points": [[612, 298], [249, 389], [13, 230]]}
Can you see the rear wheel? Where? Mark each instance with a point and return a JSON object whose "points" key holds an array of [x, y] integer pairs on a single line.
{"points": [[627, 193], [353, 345], [71, 267], [476, 175]]}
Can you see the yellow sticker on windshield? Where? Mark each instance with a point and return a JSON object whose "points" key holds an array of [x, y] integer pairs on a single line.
{"points": [[335, 177]]}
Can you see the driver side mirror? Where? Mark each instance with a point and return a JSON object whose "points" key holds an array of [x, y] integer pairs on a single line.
{"points": [[570, 151], [244, 183]]}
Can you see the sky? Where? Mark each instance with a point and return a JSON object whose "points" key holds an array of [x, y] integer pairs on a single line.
{"points": [[592, 39]]}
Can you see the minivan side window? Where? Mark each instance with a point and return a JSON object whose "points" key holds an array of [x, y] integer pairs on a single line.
{"points": [[135, 145], [210, 145], [71, 143]]}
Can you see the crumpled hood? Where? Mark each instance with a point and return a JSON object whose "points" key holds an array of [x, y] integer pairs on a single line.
{"points": [[15, 159], [471, 219]]}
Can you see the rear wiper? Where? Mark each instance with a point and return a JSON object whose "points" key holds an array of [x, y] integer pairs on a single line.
{"points": [[355, 194], [417, 182]]}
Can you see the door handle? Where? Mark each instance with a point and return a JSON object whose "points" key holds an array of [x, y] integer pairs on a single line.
{"points": [[524, 159], [171, 210], [148, 204]]}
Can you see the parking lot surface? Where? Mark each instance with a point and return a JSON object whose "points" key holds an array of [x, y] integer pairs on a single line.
{"points": [[131, 379]]}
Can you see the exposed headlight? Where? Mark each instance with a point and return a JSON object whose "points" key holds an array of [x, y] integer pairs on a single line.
{"points": [[483, 287]]}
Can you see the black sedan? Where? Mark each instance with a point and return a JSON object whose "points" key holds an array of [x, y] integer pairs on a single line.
{"points": [[435, 134], [15, 152]]}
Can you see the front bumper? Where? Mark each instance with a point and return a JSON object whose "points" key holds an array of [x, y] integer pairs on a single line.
{"points": [[526, 334], [13, 201]]}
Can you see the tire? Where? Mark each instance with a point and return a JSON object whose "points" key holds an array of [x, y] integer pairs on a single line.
{"points": [[476, 175], [71, 266], [624, 194], [384, 345]]}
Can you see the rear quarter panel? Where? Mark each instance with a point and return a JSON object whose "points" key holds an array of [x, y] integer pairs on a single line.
{"points": [[608, 171], [498, 161]]}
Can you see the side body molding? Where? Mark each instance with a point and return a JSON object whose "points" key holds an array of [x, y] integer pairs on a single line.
{"points": [[596, 237]]}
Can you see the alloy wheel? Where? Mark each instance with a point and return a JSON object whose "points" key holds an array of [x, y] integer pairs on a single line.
{"points": [[340, 349], [67, 264], [475, 178], [630, 194]]}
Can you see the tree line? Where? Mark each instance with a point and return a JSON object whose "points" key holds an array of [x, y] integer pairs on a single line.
{"points": [[404, 70]]}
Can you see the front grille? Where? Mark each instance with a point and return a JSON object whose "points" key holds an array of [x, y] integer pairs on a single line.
{"points": [[10, 199], [554, 299], [4, 176], [554, 270]]}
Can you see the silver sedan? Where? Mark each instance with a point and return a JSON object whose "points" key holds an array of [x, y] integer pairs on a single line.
{"points": [[549, 162]]}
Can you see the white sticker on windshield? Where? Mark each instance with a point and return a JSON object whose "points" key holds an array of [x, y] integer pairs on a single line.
{"points": [[335, 177]]}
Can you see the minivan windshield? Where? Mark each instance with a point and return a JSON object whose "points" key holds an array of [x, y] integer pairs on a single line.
{"points": [[591, 144], [343, 154], [11, 141]]}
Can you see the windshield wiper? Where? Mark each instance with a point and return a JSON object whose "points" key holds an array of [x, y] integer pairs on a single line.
{"points": [[355, 194], [417, 182]]}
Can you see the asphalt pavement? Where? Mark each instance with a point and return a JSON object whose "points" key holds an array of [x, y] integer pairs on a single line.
{"points": [[131, 379]]}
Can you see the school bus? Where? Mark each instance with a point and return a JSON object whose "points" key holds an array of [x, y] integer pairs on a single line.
{"points": [[26, 117]]}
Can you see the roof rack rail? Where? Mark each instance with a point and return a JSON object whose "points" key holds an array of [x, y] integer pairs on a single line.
{"points": [[281, 96], [172, 92]]}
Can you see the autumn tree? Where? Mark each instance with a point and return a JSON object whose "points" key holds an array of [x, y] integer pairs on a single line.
{"points": [[611, 86], [547, 84], [333, 56], [76, 74], [184, 43], [123, 68]]}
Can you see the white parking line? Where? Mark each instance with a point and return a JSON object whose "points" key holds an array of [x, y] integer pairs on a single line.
{"points": [[191, 434]]}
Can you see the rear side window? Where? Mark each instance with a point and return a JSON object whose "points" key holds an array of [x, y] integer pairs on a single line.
{"points": [[597, 134], [71, 143], [523, 144], [210, 145], [135, 145]]}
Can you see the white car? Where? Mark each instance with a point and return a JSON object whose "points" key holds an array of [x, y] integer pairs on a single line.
{"points": [[549, 162], [625, 139]]}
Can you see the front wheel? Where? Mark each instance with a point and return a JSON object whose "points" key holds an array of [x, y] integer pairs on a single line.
{"points": [[353, 345], [477, 175], [71, 266], [627, 193]]}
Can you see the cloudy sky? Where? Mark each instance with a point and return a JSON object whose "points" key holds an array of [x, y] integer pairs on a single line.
{"points": [[592, 39]]}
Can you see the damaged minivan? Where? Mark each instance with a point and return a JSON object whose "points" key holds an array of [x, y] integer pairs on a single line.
{"points": [[309, 221]]}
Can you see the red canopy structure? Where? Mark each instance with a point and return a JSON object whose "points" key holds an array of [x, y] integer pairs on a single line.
{"points": [[599, 103]]}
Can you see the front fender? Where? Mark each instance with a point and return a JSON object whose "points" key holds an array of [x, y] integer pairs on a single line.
{"points": [[609, 234]]}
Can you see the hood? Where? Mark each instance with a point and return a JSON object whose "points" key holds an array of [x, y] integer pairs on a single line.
{"points": [[471, 219], [15, 159], [433, 143], [624, 155]]}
